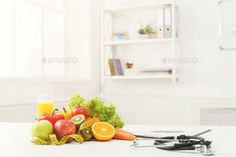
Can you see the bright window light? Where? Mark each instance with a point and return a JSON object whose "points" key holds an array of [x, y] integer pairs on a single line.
{"points": [[34, 42]]}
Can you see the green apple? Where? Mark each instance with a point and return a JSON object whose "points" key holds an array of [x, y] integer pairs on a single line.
{"points": [[42, 130]]}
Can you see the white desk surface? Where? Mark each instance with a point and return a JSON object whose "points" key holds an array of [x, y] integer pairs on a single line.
{"points": [[15, 142]]}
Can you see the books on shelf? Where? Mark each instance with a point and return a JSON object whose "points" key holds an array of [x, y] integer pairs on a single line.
{"points": [[115, 67], [117, 36]]}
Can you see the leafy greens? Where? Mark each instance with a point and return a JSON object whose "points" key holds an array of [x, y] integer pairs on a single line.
{"points": [[97, 108]]}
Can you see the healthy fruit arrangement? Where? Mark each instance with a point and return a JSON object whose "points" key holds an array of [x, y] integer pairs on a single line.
{"points": [[83, 121]]}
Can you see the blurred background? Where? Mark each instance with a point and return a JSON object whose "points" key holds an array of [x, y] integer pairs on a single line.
{"points": [[53, 47]]}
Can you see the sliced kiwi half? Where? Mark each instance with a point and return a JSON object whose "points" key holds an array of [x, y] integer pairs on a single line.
{"points": [[86, 134], [78, 119]]}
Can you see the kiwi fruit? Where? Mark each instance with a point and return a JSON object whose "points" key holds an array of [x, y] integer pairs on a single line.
{"points": [[86, 134], [78, 119]]}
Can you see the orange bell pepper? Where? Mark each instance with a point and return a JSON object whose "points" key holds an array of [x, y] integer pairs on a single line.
{"points": [[95, 119], [66, 113]]}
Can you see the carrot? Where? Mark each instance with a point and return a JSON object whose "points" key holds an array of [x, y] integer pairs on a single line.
{"points": [[124, 135]]}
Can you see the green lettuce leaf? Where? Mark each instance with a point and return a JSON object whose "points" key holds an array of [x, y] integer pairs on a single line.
{"points": [[75, 101], [106, 113]]}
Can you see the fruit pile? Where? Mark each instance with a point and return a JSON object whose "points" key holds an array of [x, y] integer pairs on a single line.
{"points": [[82, 121]]}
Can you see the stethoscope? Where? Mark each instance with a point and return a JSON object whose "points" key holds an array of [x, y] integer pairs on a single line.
{"points": [[177, 143]]}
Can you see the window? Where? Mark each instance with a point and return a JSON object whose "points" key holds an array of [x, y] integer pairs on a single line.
{"points": [[34, 42]]}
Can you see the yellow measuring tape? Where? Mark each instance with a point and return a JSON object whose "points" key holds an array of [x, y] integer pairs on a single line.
{"points": [[53, 139], [77, 137], [37, 140], [86, 125]]}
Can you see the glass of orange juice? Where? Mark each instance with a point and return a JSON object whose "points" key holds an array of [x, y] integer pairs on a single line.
{"points": [[45, 105]]}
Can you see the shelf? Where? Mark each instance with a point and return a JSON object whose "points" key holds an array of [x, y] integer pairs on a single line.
{"points": [[139, 41], [112, 21], [168, 76], [133, 7]]}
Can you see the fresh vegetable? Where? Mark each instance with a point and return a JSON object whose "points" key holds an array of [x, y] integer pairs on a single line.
{"points": [[53, 118], [79, 110], [97, 108], [82, 121], [116, 121], [88, 119], [103, 131], [95, 119], [66, 113], [124, 135], [75, 101]]}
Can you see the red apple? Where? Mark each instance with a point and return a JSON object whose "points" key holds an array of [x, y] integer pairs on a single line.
{"points": [[53, 118], [79, 110], [63, 128]]}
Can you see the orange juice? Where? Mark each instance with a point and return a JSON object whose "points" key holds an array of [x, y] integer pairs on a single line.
{"points": [[44, 108]]}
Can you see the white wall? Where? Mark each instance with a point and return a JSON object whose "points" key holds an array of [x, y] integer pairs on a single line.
{"points": [[213, 76]]}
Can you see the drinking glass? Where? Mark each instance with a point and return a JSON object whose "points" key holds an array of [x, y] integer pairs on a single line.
{"points": [[45, 104]]}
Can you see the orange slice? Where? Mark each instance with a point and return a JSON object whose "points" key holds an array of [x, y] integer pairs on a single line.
{"points": [[103, 131]]}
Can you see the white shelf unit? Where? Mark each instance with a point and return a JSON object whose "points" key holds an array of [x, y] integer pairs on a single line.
{"points": [[140, 77], [139, 6], [139, 41], [114, 44]]}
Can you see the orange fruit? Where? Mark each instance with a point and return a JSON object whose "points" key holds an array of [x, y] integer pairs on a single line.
{"points": [[103, 131]]}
